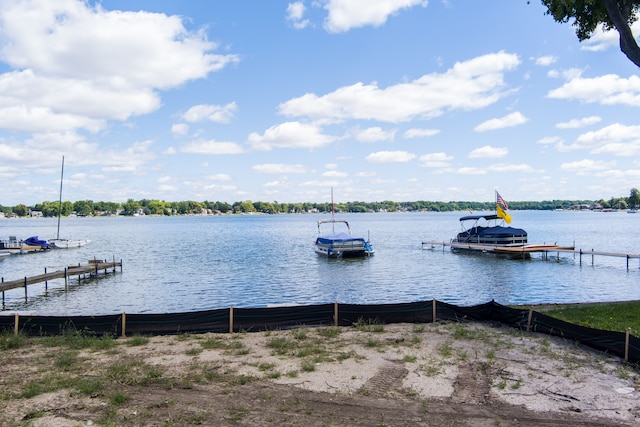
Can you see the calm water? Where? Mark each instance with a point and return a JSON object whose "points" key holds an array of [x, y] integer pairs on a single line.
{"points": [[177, 264]]}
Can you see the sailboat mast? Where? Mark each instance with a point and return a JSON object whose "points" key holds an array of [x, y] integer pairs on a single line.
{"points": [[60, 201]]}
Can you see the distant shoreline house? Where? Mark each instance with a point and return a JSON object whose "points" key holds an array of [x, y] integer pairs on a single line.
{"points": [[586, 207]]}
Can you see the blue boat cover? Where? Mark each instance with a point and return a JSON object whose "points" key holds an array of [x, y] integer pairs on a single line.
{"points": [[34, 241], [339, 237], [497, 231]]}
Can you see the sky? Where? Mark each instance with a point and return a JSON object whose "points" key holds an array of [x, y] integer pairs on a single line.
{"points": [[283, 101]]}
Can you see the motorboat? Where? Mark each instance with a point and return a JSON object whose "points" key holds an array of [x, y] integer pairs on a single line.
{"points": [[15, 246], [341, 244], [489, 230]]}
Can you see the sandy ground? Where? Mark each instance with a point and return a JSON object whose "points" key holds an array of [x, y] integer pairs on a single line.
{"points": [[473, 374]]}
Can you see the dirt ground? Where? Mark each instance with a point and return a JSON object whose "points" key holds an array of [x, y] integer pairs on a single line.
{"points": [[443, 374]]}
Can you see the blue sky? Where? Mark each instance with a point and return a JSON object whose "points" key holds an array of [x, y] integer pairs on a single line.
{"points": [[279, 101]]}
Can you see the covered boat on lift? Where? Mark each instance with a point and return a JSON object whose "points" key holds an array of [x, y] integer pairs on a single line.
{"points": [[486, 230]]}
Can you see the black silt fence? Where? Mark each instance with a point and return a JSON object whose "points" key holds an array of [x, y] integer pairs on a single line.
{"points": [[260, 319]]}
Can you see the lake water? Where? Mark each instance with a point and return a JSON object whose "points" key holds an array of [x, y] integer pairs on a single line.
{"points": [[190, 263]]}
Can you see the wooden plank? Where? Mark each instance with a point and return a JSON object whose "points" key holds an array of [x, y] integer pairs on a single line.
{"points": [[529, 249], [93, 267]]}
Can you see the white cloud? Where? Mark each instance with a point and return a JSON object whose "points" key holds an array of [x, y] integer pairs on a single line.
{"points": [[578, 123], [69, 54], [344, 15], [471, 171], [616, 139], [510, 168], [586, 165], [510, 120], [278, 168], [468, 85], [295, 15], [132, 159], [390, 157], [488, 152], [219, 177], [545, 61], [420, 133], [167, 188], [609, 89], [213, 113], [547, 140], [435, 160], [212, 147], [290, 135], [180, 129], [373, 134], [335, 174]]}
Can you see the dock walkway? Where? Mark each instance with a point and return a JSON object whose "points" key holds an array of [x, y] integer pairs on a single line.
{"points": [[92, 268], [529, 249]]}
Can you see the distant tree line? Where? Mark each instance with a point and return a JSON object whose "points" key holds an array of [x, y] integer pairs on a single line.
{"points": [[160, 207]]}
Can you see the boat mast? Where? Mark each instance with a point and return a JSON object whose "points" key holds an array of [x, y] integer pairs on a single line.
{"points": [[333, 224], [60, 201]]}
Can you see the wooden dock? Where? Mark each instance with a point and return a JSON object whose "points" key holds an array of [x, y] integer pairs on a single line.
{"points": [[529, 249], [92, 268]]}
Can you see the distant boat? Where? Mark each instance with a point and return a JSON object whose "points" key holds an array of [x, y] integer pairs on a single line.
{"points": [[15, 246], [59, 243], [341, 244]]}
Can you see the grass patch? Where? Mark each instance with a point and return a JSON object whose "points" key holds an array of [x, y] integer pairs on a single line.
{"points": [[78, 341], [445, 349], [329, 332], [281, 345], [609, 317], [137, 340], [134, 372], [11, 341], [369, 325]]}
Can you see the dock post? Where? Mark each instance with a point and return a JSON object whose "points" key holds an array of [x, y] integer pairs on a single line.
{"points": [[433, 310], [529, 319], [46, 282], [231, 319], [66, 281], [124, 324], [626, 345], [627, 262], [592, 257], [16, 323], [335, 313], [580, 256], [25, 288]]}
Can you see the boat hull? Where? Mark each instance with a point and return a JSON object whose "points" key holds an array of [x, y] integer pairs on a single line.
{"points": [[343, 248], [67, 244]]}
